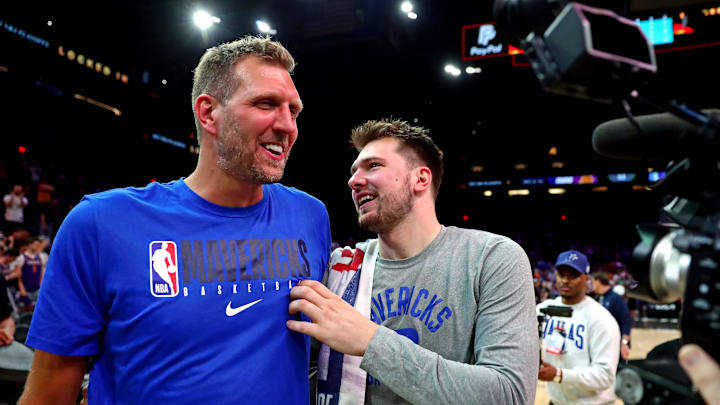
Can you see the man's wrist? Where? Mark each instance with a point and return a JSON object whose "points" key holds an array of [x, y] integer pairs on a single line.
{"points": [[558, 375]]}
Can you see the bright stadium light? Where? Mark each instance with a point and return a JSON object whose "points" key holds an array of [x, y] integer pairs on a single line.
{"points": [[406, 7], [265, 27], [202, 19], [452, 70], [411, 15]]}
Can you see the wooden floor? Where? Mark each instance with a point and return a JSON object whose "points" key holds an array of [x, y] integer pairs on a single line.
{"points": [[643, 340]]}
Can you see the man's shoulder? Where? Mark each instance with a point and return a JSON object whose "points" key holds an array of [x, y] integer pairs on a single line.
{"points": [[489, 244], [600, 314], [129, 194], [115, 202], [479, 235], [614, 297]]}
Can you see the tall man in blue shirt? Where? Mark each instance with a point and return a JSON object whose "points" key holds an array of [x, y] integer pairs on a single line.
{"points": [[617, 307], [179, 291]]}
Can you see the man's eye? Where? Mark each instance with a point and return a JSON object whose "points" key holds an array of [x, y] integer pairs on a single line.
{"points": [[371, 165]]}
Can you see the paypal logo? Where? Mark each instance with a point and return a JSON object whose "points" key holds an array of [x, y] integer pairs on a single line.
{"points": [[487, 34]]}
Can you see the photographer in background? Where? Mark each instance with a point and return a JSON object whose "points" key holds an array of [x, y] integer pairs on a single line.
{"points": [[15, 203]]}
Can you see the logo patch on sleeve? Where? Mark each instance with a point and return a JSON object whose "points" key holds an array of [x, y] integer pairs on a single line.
{"points": [[163, 269]]}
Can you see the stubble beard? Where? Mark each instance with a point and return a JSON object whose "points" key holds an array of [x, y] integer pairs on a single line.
{"points": [[391, 210], [236, 156]]}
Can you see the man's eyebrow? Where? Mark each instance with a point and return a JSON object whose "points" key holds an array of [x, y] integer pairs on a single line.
{"points": [[273, 95], [357, 163]]}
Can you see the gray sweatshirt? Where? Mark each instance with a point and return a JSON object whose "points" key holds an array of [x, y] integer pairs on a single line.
{"points": [[458, 324]]}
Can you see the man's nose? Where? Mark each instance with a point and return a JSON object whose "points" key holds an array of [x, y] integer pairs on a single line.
{"points": [[357, 180], [284, 121]]}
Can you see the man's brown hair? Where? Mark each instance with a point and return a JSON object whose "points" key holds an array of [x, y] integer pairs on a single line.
{"points": [[415, 144], [214, 75], [602, 277]]}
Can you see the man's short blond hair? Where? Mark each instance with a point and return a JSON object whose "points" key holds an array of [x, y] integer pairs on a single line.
{"points": [[214, 75]]}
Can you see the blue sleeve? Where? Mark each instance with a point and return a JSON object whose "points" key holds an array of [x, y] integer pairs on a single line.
{"points": [[69, 316], [623, 316]]}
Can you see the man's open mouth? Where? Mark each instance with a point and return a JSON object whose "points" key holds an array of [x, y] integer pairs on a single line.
{"points": [[365, 199], [273, 148]]}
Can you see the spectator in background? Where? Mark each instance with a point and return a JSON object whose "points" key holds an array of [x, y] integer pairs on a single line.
{"points": [[15, 240], [617, 306], [44, 250], [6, 259], [15, 204], [29, 269], [13, 355], [51, 219], [580, 353], [45, 192]]}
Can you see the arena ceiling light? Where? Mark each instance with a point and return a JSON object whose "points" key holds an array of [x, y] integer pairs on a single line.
{"points": [[204, 20], [453, 70], [523, 191], [265, 27], [406, 7], [412, 15]]}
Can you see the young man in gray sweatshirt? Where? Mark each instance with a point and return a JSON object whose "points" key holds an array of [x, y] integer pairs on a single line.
{"points": [[425, 314]]}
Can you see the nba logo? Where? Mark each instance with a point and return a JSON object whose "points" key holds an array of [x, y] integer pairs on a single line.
{"points": [[163, 269]]}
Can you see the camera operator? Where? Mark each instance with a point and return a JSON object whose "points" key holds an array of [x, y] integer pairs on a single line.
{"points": [[581, 352]]}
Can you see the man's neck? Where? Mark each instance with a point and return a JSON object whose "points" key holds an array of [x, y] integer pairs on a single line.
{"points": [[604, 289], [214, 185], [409, 237], [573, 300]]}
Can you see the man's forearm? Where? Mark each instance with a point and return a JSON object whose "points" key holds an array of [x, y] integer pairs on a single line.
{"points": [[425, 377]]}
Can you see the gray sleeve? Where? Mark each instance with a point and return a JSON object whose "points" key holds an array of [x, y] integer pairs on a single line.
{"points": [[506, 344]]}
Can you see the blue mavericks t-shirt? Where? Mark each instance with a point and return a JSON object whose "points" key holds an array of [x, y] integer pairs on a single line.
{"points": [[183, 301]]}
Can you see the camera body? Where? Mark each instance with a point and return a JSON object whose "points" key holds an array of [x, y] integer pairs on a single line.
{"points": [[596, 54]]}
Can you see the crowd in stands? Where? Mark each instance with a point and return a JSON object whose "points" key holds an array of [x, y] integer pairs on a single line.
{"points": [[35, 201]]}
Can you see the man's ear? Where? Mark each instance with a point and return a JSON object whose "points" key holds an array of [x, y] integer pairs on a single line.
{"points": [[423, 177], [206, 110]]}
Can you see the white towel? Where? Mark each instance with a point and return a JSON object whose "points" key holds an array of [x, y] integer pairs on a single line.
{"points": [[341, 381]]}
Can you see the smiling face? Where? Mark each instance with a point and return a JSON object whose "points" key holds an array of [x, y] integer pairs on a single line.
{"points": [[258, 125], [381, 186]]}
